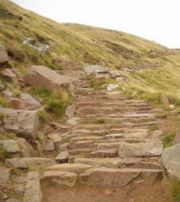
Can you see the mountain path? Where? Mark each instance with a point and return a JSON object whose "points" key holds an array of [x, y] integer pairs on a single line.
{"points": [[111, 148]]}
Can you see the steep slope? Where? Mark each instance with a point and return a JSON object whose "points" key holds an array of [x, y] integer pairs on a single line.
{"points": [[77, 45]]}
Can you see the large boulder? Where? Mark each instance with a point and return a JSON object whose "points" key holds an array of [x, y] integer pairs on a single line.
{"points": [[151, 148], [3, 55], [43, 77], [23, 122], [171, 161]]}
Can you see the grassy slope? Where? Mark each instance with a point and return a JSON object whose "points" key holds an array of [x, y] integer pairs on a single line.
{"points": [[157, 69]]}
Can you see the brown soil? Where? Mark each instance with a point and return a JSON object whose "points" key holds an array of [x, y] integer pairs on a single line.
{"points": [[159, 192]]}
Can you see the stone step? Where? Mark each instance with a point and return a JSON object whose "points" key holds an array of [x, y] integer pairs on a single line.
{"points": [[109, 110], [108, 103], [81, 151], [116, 120], [112, 177], [122, 115], [103, 144], [59, 177], [112, 128], [152, 148], [29, 162], [92, 137], [148, 163], [104, 153], [77, 168]]}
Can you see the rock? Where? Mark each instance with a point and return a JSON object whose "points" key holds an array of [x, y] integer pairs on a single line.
{"points": [[42, 48], [171, 161], [10, 146], [171, 107], [157, 133], [43, 77], [29, 101], [60, 177], [7, 94], [70, 167], [109, 177], [70, 111], [153, 148], [93, 69], [56, 140], [31, 162], [100, 162], [17, 103], [63, 157], [73, 121], [49, 146], [33, 189], [25, 148], [23, 122], [4, 175], [3, 55], [112, 87], [7, 73], [115, 73]]}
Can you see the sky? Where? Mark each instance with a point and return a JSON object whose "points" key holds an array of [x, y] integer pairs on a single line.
{"points": [[156, 20]]}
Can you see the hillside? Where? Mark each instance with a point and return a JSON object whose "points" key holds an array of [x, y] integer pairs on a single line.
{"points": [[61, 126], [79, 45]]}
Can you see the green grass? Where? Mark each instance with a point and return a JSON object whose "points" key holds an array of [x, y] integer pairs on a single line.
{"points": [[175, 189], [168, 139], [54, 102]]}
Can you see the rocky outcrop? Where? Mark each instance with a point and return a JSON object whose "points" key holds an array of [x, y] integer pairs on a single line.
{"points": [[33, 189], [171, 161], [3, 55], [23, 122], [10, 146], [43, 77]]}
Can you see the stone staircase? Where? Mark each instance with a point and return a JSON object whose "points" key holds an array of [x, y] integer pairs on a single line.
{"points": [[109, 145]]}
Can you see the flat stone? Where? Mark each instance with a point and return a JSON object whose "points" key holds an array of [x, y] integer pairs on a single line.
{"points": [[104, 153], [95, 69], [60, 178], [8, 73], [63, 157], [44, 77], [12, 200], [3, 55], [32, 162], [49, 146], [33, 189], [30, 102], [23, 122], [100, 162], [4, 175], [171, 160], [70, 167], [70, 111], [10, 146], [109, 177], [151, 148]]}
